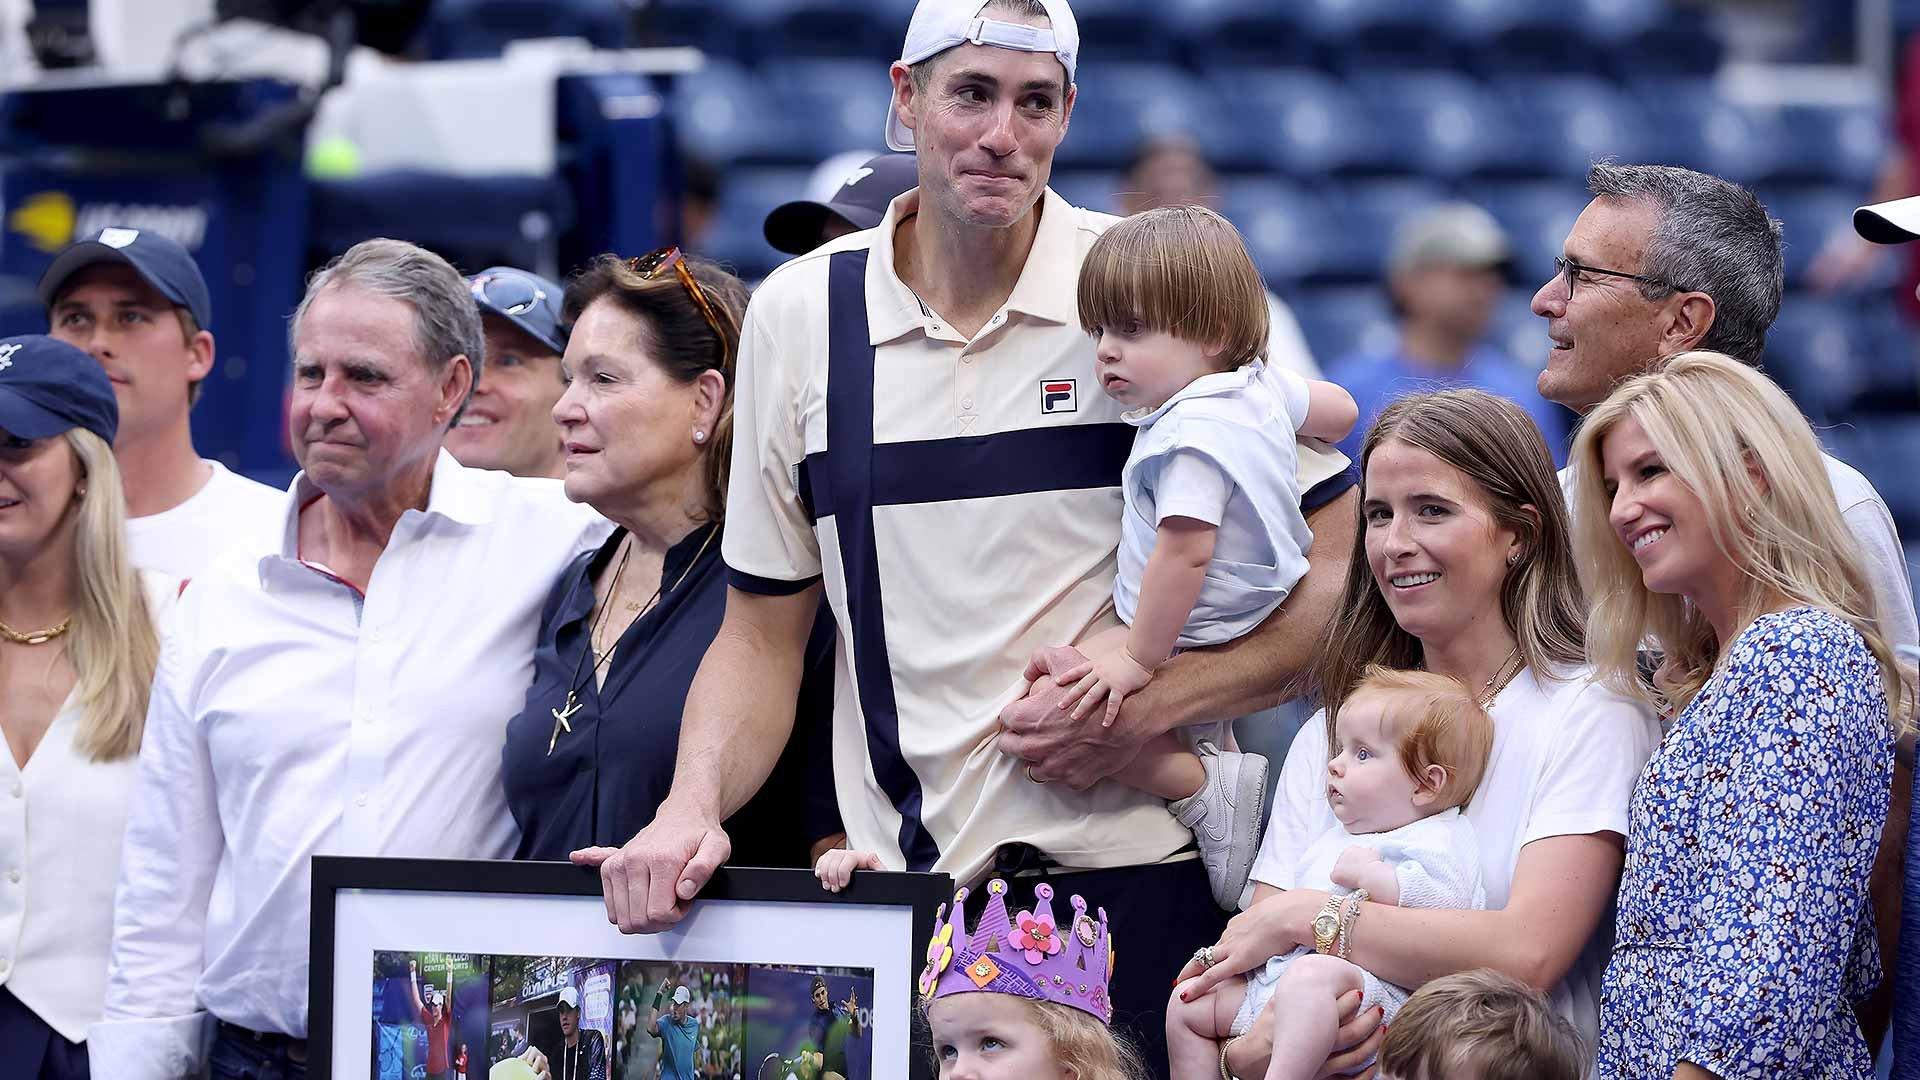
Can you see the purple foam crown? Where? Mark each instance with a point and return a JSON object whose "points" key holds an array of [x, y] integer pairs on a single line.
{"points": [[1030, 955]]}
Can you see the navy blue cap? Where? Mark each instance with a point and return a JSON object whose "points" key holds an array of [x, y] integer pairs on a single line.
{"points": [[526, 300], [861, 201], [48, 387], [162, 263]]}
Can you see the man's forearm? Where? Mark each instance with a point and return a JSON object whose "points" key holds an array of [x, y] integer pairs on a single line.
{"points": [[739, 711], [1273, 662]]}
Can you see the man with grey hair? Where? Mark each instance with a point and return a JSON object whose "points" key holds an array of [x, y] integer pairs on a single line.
{"points": [[1664, 260], [346, 694]]}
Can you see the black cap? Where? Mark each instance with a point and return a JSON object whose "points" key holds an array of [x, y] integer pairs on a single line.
{"points": [[48, 387], [162, 263], [862, 201], [526, 300]]}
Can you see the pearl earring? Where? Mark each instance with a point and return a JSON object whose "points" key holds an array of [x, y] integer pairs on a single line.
{"points": [[699, 436]]}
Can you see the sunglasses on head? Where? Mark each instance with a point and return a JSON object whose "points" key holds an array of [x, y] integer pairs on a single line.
{"points": [[657, 262], [508, 295]]}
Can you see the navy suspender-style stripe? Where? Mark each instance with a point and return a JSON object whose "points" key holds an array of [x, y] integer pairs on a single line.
{"points": [[850, 434]]}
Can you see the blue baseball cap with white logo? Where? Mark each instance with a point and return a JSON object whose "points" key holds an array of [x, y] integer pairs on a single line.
{"points": [[48, 387], [526, 300], [159, 261]]}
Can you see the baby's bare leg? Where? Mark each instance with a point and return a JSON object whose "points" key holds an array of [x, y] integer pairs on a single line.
{"points": [[1306, 1016], [1195, 1028]]}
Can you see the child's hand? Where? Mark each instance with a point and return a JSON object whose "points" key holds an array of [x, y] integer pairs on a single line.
{"points": [[1352, 866], [836, 867], [1110, 678]]}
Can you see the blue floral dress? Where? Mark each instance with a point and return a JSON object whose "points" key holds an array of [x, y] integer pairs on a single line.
{"points": [[1743, 931]]}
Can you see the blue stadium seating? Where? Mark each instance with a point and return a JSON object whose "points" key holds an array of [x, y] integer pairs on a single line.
{"points": [[1537, 215], [823, 107], [869, 30], [1841, 144], [1341, 321], [1579, 119], [720, 113], [1231, 33], [1885, 448], [1127, 31], [1298, 122], [1808, 214], [1443, 124], [1367, 34], [1701, 130], [1092, 189], [1816, 351], [1119, 105], [1517, 331], [1286, 228], [1367, 214], [736, 236], [465, 29], [1497, 37], [703, 24]]}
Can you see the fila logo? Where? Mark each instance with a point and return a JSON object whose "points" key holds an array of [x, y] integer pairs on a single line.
{"points": [[1057, 396], [6, 355]]}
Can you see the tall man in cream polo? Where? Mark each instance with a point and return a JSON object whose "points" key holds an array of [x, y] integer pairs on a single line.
{"points": [[919, 433]]}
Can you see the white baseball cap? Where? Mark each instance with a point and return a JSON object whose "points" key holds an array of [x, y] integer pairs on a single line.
{"points": [[1893, 222], [681, 995], [570, 998], [939, 25]]}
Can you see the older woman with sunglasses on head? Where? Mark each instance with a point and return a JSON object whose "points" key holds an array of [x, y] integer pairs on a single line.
{"points": [[647, 424]]}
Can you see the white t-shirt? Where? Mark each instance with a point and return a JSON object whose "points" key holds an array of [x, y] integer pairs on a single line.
{"points": [[1565, 757], [228, 513]]}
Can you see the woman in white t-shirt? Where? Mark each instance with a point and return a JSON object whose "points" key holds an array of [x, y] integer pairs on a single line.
{"points": [[77, 651], [1463, 567]]}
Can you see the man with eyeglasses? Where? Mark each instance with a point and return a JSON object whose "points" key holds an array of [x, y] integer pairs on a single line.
{"points": [[1664, 260], [509, 423]]}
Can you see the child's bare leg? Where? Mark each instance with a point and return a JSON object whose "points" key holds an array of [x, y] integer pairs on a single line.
{"points": [[1195, 1028], [1164, 767], [1306, 1017]]}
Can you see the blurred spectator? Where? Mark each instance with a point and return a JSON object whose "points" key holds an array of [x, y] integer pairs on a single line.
{"points": [[399, 686], [1847, 258], [699, 196], [1169, 170], [858, 202], [1444, 277], [509, 423], [137, 303]]}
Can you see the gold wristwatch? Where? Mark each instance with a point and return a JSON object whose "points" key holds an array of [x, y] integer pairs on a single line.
{"points": [[1326, 926]]}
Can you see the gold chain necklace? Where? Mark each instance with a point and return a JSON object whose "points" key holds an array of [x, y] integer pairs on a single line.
{"points": [[35, 637], [1509, 671]]}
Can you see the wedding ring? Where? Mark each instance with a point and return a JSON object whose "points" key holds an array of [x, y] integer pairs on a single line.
{"points": [[1204, 954], [1032, 777]]}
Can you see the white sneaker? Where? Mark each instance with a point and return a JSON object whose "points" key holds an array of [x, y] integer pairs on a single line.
{"points": [[1225, 816]]}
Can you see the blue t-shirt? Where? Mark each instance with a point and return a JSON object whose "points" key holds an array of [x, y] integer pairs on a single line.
{"points": [[1377, 380], [677, 1040]]}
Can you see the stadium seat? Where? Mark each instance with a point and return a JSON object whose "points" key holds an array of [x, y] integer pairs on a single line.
{"points": [[1839, 144], [1360, 35], [798, 29], [1817, 353], [1517, 331], [1701, 130], [1536, 216], [719, 113], [701, 24], [1287, 228], [824, 107], [1120, 105], [1890, 346], [1497, 37], [1298, 122], [1885, 448], [1367, 215], [1127, 31], [1234, 33], [473, 220], [1339, 322], [468, 29], [1089, 189], [1637, 36], [737, 236], [1579, 119], [1443, 124], [1808, 214]]}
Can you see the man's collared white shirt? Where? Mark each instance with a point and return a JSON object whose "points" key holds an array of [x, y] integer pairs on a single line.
{"points": [[994, 519], [293, 716]]}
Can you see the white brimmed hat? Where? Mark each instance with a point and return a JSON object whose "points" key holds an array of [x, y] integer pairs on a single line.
{"points": [[1893, 222], [681, 995], [939, 25], [569, 998]]}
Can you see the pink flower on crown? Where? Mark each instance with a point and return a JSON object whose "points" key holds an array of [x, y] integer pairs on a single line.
{"points": [[1036, 936]]}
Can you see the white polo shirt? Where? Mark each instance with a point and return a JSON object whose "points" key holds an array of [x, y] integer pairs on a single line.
{"points": [[961, 501]]}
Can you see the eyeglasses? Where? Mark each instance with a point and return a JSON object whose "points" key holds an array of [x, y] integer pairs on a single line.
{"points": [[1568, 268], [509, 295], [654, 263]]}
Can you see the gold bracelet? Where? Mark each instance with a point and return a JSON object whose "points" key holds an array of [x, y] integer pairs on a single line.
{"points": [[1350, 915], [1224, 1047]]}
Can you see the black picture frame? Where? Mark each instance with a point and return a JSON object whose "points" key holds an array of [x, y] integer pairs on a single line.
{"points": [[333, 875]]}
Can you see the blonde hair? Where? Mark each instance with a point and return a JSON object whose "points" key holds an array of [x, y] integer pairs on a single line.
{"points": [[1437, 721], [1083, 1047], [1501, 450], [1736, 441], [1180, 270], [113, 643], [1480, 1025]]}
